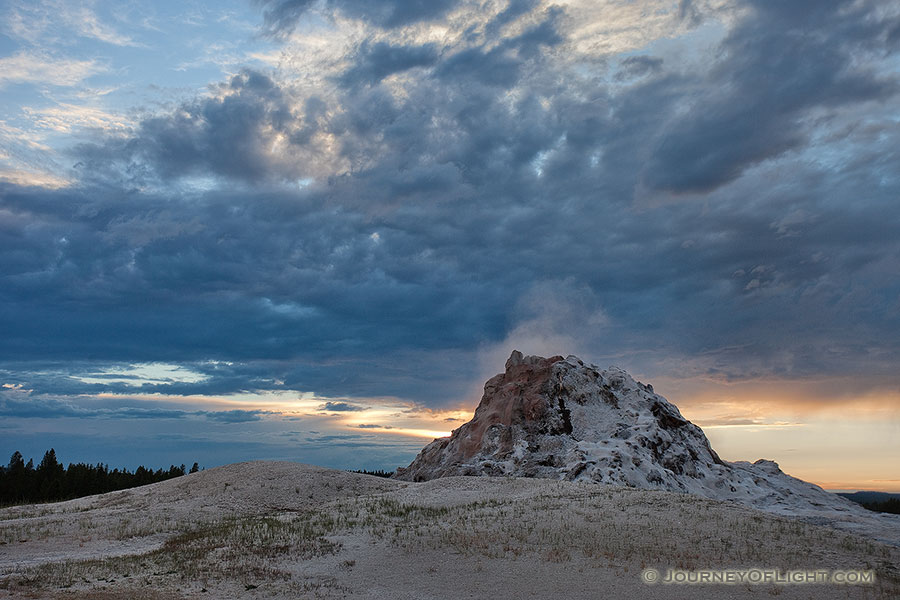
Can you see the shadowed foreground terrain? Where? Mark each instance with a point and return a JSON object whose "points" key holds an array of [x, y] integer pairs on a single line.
{"points": [[285, 530]]}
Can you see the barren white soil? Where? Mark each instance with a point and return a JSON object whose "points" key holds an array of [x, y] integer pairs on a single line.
{"points": [[286, 530]]}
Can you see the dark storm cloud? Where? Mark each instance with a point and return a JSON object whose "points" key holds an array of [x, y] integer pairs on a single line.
{"points": [[374, 62], [281, 16], [395, 13], [514, 10], [235, 416], [500, 65], [784, 61], [229, 135], [27, 407], [637, 66], [504, 193], [340, 407], [688, 12], [19, 405]]}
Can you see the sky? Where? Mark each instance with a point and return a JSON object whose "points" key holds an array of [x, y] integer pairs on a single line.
{"points": [[310, 230]]}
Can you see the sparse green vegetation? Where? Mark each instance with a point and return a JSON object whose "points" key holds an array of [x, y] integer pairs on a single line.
{"points": [[247, 549]]}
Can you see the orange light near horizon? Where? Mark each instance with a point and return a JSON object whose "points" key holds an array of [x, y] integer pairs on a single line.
{"points": [[286, 402], [891, 486], [770, 400], [423, 433]]}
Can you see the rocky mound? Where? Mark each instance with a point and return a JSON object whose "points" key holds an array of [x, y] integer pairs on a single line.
{"points": [[560, 418]]}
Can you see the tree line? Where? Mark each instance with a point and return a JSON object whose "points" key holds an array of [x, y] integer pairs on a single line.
{"points": [[21, 482], [891, 505], [376, 472]]}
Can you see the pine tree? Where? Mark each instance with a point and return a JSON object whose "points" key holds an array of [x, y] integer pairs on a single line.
{"points": [[15, 480], [21, 482], [50, 477]]}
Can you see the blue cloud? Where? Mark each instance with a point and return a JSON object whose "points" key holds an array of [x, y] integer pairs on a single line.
{"points": [[375, 61], [340, 407], [281, 16], [235, 416]]}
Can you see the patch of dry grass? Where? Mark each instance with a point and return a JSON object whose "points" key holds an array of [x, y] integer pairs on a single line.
{"points": [[302, 551]]}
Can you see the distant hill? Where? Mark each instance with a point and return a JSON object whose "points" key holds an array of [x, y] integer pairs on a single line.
{"points": [[877, 501], [863, 497]]}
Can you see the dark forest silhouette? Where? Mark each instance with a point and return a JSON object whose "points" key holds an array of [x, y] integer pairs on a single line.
{"points": [[376, 472], [891, 505], [21, 482]]}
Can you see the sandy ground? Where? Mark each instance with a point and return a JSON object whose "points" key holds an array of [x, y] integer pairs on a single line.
{"points": [[285, 530]]}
